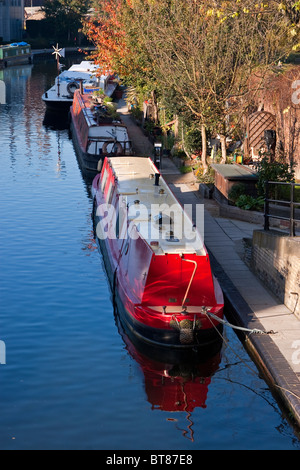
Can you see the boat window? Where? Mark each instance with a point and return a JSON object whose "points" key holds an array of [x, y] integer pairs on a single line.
{"points": [[104, 179], [118, 225], [121, 222], [110, 193]]}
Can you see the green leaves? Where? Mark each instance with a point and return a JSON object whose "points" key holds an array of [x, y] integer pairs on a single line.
{"points": [[199, 54], [247, 202], [66, 15], [273, 171]]}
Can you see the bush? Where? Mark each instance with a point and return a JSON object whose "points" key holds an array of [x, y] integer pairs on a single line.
{"points": [[186, 169], [273, 171], [236, 191], [137, 113], [193, 140], [283, 192], [250, 203]]}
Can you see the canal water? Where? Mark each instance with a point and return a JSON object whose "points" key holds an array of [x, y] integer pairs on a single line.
{"points": [[72, 378]]}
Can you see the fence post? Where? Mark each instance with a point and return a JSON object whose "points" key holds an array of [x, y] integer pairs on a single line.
{"points": [[292, 211], [267, 223]]}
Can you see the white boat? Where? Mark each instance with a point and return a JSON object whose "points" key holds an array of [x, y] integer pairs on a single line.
{"points": [[61, 94]]}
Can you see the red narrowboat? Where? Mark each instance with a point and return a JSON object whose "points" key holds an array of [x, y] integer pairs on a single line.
{"points": [[158, 266], [95, 133]]}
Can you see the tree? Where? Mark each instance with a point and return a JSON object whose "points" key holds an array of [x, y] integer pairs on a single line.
{"points": [[205, 51], [66, 15], [292, 9], [197, 54], [115, 35]]}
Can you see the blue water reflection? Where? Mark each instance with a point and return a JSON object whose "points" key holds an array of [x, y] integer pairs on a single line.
{"points": [[73, 379]]}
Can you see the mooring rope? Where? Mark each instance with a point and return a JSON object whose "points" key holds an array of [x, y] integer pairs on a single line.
{"points": [[255, 331], [226, 342]]}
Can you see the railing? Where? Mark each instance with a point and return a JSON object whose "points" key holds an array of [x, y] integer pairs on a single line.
{"points": [[97, 145], [292, 204]]}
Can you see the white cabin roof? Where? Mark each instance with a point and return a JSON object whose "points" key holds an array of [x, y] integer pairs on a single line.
{"points": [[84, 71], [89, 68], [69, 75], [136, 182], [84, 66]]}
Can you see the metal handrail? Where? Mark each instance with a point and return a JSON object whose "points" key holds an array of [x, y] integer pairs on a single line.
{"points": [[292, 204], [126, 144]]}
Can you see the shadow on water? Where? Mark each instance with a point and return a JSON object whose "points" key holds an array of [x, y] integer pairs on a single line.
{"points": [[60, 121]]}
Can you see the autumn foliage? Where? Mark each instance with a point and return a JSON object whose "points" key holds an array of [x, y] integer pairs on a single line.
{"points": [[106, 31], [197, 55]]}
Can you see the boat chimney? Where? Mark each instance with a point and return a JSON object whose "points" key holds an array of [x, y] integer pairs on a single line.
{"points": [[81, 86], [157, 176]]}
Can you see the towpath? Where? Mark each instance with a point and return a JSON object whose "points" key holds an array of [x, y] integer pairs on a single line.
{"points": [[250, 303]]}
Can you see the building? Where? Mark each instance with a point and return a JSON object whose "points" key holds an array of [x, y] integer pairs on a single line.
{"points": [[278, 102], [33, 3], [11, 20]]}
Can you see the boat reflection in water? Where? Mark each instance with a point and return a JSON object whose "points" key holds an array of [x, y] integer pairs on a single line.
{"points": [[56, 121], [175, 381]]}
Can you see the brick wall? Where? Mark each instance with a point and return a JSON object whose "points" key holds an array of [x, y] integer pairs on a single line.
{"points": [[276, 261]]}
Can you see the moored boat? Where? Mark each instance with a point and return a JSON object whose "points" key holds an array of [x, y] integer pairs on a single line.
{"points": [[61, 94], [158, 266], [15, 54], [96, 133]]}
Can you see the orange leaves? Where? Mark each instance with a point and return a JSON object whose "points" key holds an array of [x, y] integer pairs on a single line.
{"points": [[107, 33]]}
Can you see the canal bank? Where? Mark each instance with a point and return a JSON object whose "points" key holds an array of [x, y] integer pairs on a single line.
{"points": [[249, 303]]}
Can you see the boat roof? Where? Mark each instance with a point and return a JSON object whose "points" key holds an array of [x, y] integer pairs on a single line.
{"points": [[84, 71], [136, 185], [69, 75], [22, 43], [85, 66], [89, 114], [15, 44]]}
